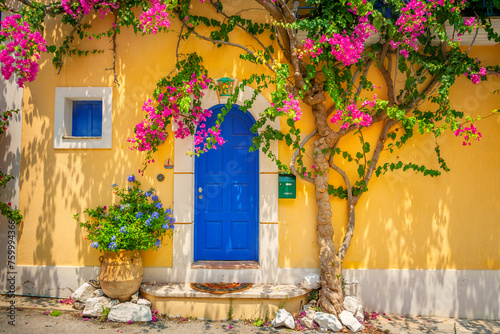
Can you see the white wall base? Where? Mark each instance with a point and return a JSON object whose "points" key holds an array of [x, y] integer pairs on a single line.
{"points": [[471, 294]]}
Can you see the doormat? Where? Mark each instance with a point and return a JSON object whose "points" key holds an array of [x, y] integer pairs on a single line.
{"points": [[220, 288]]}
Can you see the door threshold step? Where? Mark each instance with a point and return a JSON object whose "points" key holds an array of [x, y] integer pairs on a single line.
{"points": [[225, 265], [260, 301], [257, 291]]}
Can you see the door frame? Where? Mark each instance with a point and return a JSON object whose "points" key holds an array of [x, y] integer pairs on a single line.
{"points": [[179, 270]]}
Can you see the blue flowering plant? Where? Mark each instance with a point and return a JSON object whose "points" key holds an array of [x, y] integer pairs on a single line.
{"points": [[138, 222]]}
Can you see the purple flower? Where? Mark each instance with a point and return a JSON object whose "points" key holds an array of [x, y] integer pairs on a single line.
{"points": [[131, 178], [123, 229], [148, 222], [155, 214], [154, 198], [139, 215], [112, 246], [113, 238], [158, 205], [95, 244], [158, 243]]}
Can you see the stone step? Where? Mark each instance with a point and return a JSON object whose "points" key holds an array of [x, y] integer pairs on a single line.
{"points": [[260, 301]]}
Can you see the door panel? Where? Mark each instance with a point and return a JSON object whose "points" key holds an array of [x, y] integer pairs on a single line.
{"points": [[226, 208]]}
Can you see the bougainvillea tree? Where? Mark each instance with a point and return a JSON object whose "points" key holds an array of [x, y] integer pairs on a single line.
{"points": [[413, 46]]}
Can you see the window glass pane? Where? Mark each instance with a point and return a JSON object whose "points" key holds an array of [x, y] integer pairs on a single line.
{"points": [[87, 119]]}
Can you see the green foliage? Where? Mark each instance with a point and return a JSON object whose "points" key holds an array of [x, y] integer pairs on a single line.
{"points": [[105, 313], [137, 222], [282, 303], [258, 323], [230, 310], [313, 295], [55, 313]]}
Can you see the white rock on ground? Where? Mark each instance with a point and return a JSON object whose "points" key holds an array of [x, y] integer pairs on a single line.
{"points": [[94, 306], [78, 306], [83, 293], [360, 314], [98, 293], [129, 311], [311, 282], [144, 302], [307, 321], [134, 298], [327, 322], [283, 318], [350, 322], [351, 304]]}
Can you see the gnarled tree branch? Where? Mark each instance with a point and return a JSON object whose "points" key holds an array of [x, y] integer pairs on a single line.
{"points": [[350, 209], [296, 154]]}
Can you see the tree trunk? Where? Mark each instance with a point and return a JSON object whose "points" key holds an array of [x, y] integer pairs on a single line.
{"points": [[331, 296]]}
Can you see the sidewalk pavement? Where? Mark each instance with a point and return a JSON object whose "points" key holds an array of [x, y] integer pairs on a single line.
{"points": [[31, 308]]}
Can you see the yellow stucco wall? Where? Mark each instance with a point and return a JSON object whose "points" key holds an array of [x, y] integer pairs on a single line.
{"points": [[405, 221]]}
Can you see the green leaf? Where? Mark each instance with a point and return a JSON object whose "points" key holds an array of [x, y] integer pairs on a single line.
{"points": [[361, 170], [366, 147], [258, 323], [55, 313]]}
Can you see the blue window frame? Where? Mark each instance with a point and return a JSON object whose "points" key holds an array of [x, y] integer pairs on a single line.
{"points": [[87, 119]]}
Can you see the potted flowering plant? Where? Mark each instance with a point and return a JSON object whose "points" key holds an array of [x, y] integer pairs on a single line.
{"points": [[136, 223]]}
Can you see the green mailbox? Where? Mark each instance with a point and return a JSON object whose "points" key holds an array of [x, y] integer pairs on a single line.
{"points": [[287, 186]]}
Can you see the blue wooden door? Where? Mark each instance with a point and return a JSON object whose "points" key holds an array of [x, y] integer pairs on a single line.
{"points": [[226, 193]]}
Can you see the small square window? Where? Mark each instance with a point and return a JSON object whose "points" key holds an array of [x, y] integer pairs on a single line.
{"points": [[87, 119], [82, 117]]}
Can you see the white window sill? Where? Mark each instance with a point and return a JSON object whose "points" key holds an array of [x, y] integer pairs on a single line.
{"points": [[80, 138]]}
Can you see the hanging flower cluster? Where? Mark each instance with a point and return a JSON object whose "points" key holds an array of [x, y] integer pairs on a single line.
{"points": [[411, 25], [352, 115], [468, 133], [476, 77], [84, 7], [290, 108], [155, 18], [180, 104], [346, 48], [19, 45]]}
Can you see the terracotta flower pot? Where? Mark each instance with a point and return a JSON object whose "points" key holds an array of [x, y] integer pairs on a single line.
{"points": [[121, 274]]}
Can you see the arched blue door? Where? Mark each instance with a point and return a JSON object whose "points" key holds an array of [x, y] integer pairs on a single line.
{"points": [[226, 193]]}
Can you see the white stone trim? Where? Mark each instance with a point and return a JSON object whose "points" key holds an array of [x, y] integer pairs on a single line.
{"points": [[471, 294], [63, 117], [184, 209]]}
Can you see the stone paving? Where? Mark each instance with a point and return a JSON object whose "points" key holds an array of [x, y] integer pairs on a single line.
{"points": [[30, 318]]}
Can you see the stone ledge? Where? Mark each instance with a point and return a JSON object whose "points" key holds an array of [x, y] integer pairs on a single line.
{"points": [[257, 291]]}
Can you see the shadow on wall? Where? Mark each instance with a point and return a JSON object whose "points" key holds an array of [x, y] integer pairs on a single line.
{"points": [[443, 232], [59, 183], [10, 153]]}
